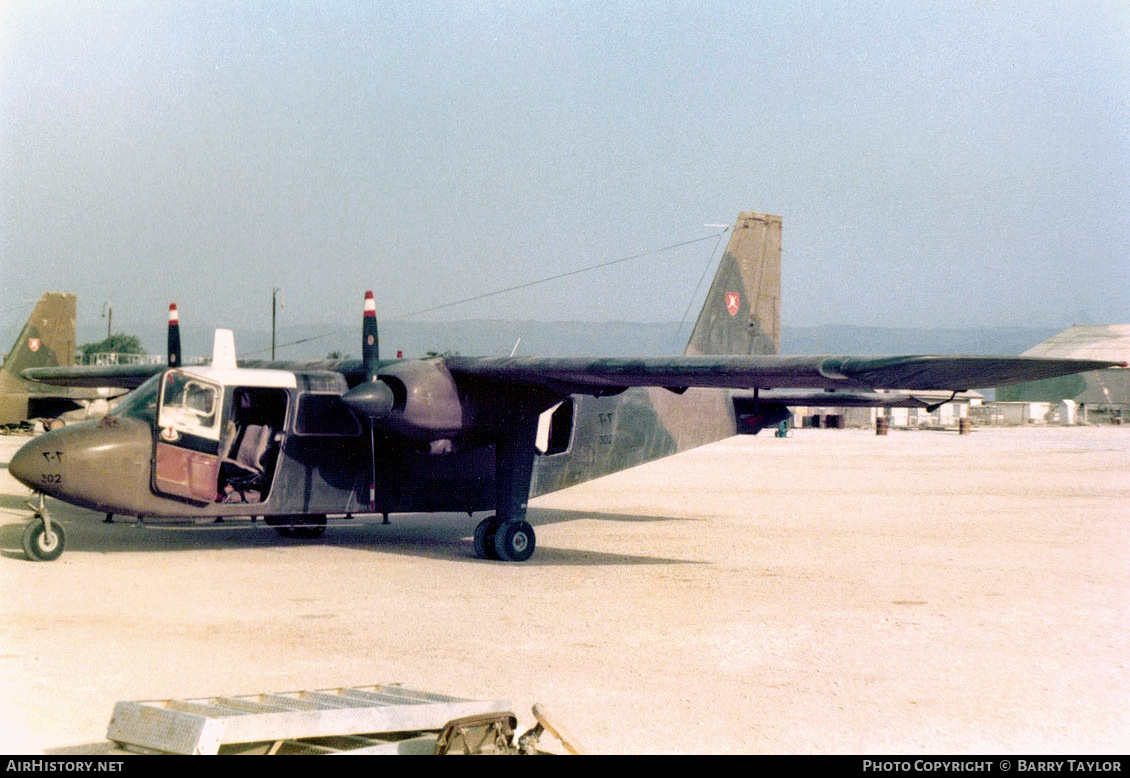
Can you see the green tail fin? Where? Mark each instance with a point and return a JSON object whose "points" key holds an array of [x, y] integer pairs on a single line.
{"points": [[48, 338], [742, 312]]}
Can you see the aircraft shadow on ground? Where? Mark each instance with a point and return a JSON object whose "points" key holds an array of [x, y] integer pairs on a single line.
{"points": [[438, 536], [104, 748], [14, 503]]}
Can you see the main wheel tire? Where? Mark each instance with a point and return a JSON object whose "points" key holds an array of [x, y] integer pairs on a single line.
{"points": [[310, 527], [41, 547], [275, 521], [514, 541], [484, 538], [298, 527]]}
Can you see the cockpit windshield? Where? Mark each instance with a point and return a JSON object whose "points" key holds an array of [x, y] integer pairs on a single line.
{"points": [[141, 403]]}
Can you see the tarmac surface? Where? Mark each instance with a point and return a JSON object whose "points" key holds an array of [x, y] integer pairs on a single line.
{"points": [[832, 592]]}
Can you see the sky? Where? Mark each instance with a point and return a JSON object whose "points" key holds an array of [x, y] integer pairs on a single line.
{"points": [[935, 164]]}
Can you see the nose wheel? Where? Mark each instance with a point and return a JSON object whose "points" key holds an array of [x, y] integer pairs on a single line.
{"points": [[44, 540]]}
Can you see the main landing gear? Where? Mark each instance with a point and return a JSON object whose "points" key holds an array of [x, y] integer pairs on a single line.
{"points": [[44, 540], [300, 527], [511, 541], [507, 535]]}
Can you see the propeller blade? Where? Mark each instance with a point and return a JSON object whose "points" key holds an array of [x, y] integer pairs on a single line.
{"points": [[372, 398], [370, 345], [174, 336]]}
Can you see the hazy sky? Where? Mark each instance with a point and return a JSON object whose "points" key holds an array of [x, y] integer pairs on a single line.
{"points": [[934, 163]]}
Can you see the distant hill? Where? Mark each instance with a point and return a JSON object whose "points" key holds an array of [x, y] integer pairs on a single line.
{"points": [[846, 339], [574, 338]]}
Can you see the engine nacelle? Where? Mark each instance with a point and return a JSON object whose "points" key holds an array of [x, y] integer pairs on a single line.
{"points": [[426, 404]]}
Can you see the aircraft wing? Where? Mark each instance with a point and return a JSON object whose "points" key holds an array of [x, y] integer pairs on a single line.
{"points": [[579, 375], [583, 375], [121, 376], [74, 393]]}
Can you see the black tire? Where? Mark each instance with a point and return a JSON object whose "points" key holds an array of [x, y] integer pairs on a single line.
{"points": [[275, 521], [514, 541], [310, 527], [299, 527], [40, 547], [484, 538]]}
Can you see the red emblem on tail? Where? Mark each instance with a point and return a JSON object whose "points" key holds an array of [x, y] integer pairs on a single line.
{"points": [[33, 344], [733, 299]]}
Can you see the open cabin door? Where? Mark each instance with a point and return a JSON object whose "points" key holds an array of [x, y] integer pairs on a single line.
{"points": [[188, 437]]}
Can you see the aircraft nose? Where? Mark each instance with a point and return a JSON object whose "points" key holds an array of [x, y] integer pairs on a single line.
{"points": [[25, 466], [101, 465]]}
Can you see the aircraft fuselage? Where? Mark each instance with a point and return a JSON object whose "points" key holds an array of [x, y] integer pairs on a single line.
{"points": [[136, 463]]}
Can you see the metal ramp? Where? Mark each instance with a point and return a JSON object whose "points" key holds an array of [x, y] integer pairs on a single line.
{"points": [[387, 719]]}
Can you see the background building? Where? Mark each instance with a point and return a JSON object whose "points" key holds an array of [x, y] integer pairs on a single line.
{"points": [[1096, 396]]}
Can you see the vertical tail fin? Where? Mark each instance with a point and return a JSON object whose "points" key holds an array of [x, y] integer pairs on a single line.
{"points": [[48, 338], [742, 312]]}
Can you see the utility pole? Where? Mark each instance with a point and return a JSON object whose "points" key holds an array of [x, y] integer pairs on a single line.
{"points": [[109, 318], [274, 316]]}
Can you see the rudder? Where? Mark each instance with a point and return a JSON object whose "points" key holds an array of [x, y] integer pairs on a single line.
{"points": [[48, 338], [742, 312]]}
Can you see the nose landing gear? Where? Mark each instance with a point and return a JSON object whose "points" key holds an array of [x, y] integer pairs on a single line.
{"points": [[44, 540]]}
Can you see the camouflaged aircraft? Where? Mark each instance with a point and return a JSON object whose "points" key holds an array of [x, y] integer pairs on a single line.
{"points": [[47, 340], [295, 443]]}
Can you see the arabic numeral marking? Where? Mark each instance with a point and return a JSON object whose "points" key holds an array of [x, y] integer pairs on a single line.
{"points": [[605, 440], [51, 478]]}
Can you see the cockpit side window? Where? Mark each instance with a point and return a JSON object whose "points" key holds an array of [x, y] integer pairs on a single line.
{"points": [[190, 405], [141, 403]]}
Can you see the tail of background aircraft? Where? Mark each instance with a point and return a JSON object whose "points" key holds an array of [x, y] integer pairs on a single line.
{"points": [[742, 311], [47, 340]]}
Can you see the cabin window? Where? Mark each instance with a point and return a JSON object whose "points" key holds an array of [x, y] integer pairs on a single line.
{"points": [[555, 429], [190, 405], [325, 414]]}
